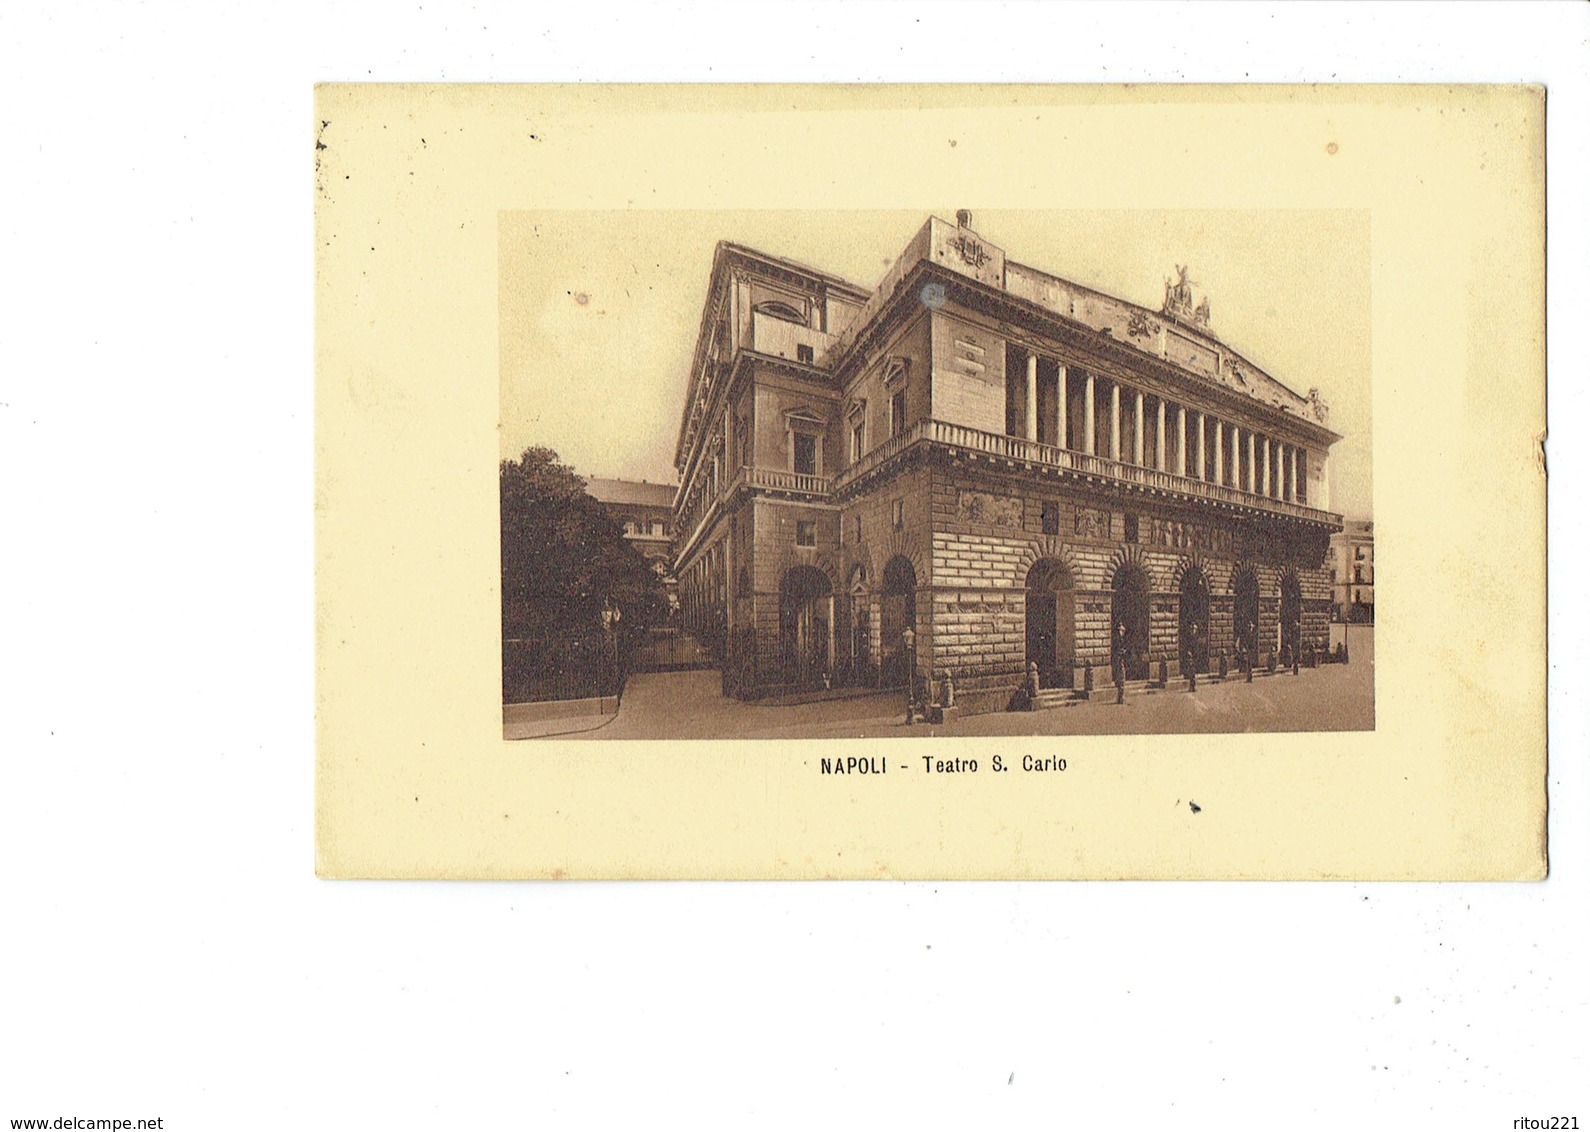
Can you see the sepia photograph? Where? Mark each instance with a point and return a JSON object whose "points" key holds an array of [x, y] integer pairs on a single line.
{"points": [[983, 492]]}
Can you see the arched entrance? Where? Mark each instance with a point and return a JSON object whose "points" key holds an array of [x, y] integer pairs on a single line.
{"points": [[898, 615], [1129, 608], [1051, 623], [805, 613], [1192, 638], [1291, 616], [1245, 613], [860, 639]]}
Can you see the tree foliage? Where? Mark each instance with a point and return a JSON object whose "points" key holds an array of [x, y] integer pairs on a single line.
{"points": [[563, 557]]}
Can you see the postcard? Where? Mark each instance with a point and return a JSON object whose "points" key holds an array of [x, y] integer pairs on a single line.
{"points": [[930, 482]]}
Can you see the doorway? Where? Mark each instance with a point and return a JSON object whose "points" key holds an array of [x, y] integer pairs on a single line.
{"points": [[1051, 623], [898, 613], [1192, 639], [805, 615], [1245, 613], [1129, 608]]}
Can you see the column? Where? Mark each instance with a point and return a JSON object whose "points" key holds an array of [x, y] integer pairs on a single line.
{"points": [[1115, 420], [1159, 436], [1299, 462], [832, 658], [1089, 439], [1181, 440], [1324, 503], [1220, 456], [1199, 474], [1030, 425], [1137, 432], [1061, 431], [1264, 471], [1253, 484]]}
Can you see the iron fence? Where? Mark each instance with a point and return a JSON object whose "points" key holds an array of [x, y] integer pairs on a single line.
{"points": [[569, 667]]}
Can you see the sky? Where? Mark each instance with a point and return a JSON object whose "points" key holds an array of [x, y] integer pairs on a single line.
{"points": [[599, 310]]}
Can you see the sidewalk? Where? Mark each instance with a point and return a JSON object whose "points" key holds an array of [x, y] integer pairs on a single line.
{"points": [[690, 705]]}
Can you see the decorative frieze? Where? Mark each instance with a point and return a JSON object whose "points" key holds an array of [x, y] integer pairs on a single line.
{"points": [[1091, 522], [983, 507]]}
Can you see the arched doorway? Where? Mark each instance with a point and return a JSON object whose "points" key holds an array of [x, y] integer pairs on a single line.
{"points": [[1245, 613], [860, 635], [805, 605], [1129, 608], [898, 615], [1291, 616], [1192, 638], [1051, 622]]}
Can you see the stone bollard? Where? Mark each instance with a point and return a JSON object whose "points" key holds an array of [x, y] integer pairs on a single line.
{"points": [[1087, 676], [1192, 676], [1296, 666], [1225, 668], [1270, 663], [1164, 674], [949, 689]]}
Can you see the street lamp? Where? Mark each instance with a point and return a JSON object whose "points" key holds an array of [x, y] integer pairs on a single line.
{"points": [[908, 643], [611, 616]]}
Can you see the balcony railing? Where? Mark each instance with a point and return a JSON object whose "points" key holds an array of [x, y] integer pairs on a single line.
{"points": [[1021, 450], [776, 480]]}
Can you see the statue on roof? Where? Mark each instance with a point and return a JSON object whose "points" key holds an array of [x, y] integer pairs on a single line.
{"points": [[1179, 298], [1318, 406]]}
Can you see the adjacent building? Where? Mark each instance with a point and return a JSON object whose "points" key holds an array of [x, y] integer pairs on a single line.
{"points": [[646, 512], [980, 467], [1352, 563]]}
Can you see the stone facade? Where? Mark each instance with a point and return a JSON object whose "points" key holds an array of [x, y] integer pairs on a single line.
{"points": [[981, 469]]}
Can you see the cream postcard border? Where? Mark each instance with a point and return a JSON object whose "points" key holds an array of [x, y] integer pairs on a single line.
{"points": [[413, 777]]}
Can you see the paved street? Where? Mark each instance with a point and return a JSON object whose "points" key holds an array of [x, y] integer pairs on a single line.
{"points": [[689, 705]]}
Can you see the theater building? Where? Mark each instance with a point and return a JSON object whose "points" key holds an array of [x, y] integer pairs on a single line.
{"points": [[979, 467]]}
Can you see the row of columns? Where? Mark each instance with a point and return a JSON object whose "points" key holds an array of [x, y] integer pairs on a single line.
{"points": [[1272, 467]]}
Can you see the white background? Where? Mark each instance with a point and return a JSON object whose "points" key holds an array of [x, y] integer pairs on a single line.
{"points": [[166, 949]]}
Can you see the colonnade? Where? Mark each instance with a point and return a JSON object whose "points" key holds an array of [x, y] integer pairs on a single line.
{"points": [[1187, 442]]}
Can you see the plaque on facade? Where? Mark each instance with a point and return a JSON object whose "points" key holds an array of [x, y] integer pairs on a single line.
{"points": [[1139, 325], [971, 252], [981, 507], [1092, 522]]}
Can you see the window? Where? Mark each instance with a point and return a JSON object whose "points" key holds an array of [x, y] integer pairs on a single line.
{"points": [[1131, 527], [805, 454], [899, 514], [895, 371], [858, 530], [656, 527], [857, 416], [805, 532], [803, 353], [1051, 518], [785, 311]]}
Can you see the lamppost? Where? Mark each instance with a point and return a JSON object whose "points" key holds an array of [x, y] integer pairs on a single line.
{"points": [[611, 616], [908, 644]]}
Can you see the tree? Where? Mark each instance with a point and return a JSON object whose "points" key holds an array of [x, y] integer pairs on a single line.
{"points": [[563, 558]]}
